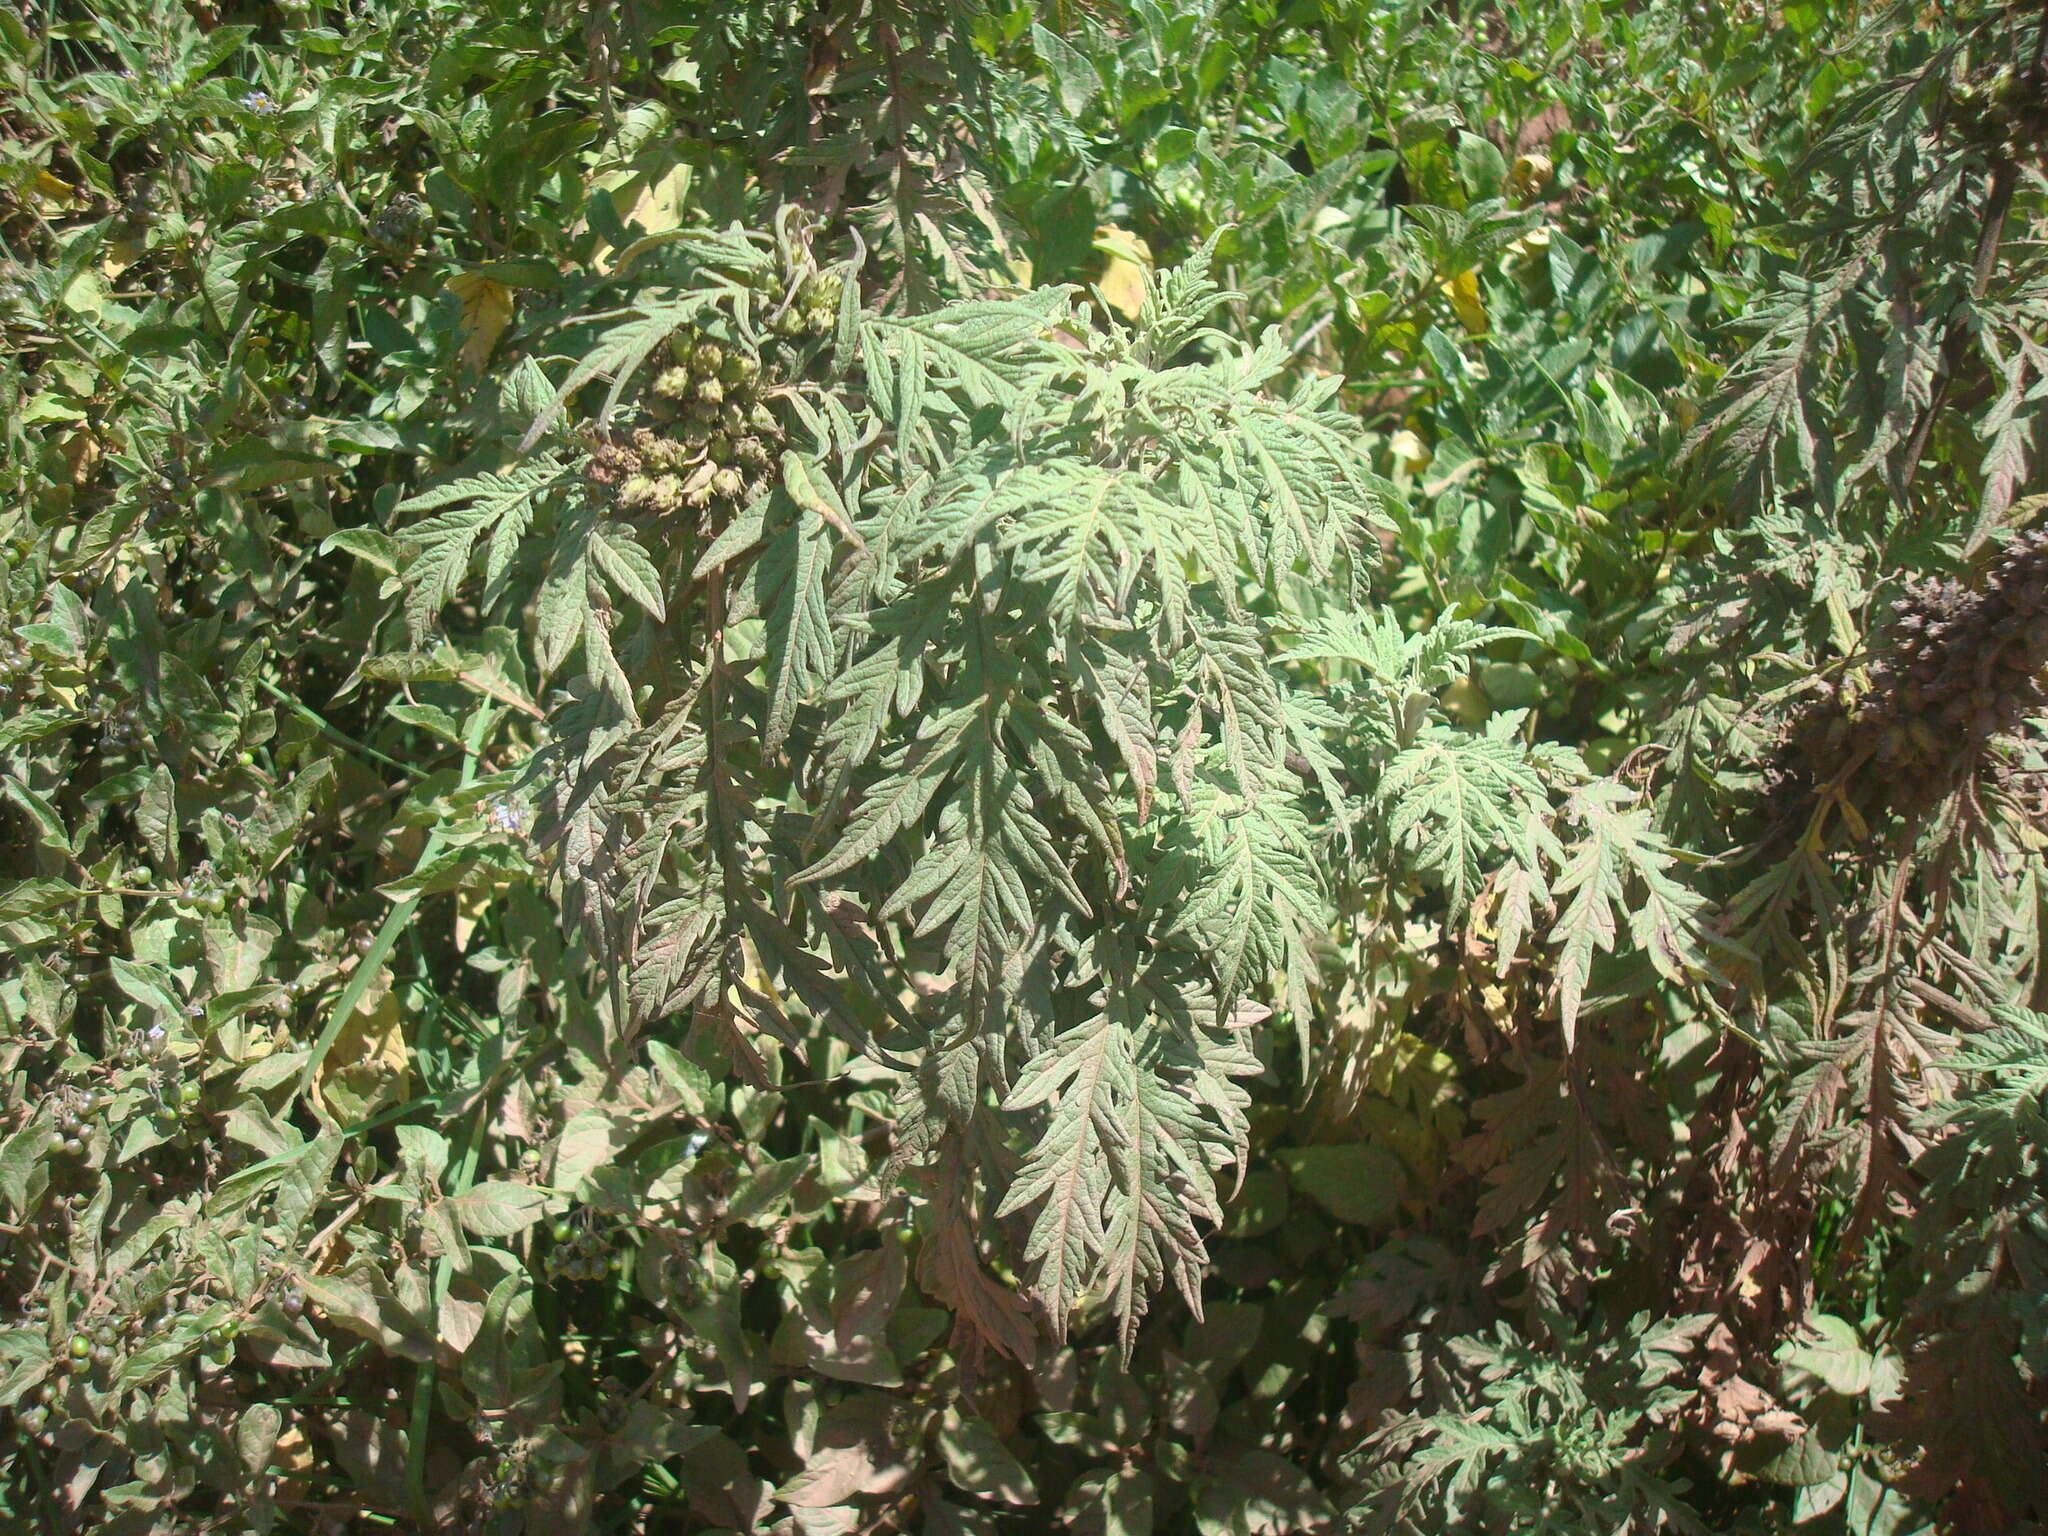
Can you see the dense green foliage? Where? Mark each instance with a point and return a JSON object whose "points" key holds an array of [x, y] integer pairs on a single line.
{"points": [[905, 766]]}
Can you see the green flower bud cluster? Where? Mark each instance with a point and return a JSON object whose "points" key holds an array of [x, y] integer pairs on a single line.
{"points": [[2005, 111], [813, 309], [1958, 666], [708, 437]]}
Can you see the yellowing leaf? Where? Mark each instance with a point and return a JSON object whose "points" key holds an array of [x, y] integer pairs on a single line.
{"points": [[292, 1453], [369, 1062], [121, 255], [486, 311], [1466, 702], [1410, 451], [1127, 263], [655, 202], [472, 903], [1463, 292], [53, 194], [659, 207], [1529, 175], [86, 294], [82, 452]]}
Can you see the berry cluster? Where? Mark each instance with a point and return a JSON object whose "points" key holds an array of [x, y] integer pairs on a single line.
{"points": [[1960, 666], [204, 891], [169, 485], [512, 1478], [88, 1354], [401, 223], [580, 1252], [71, 1121], [18, 673], [19, 301], [80, 1351], [144, 199], [122, 728], [266, 197]]}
